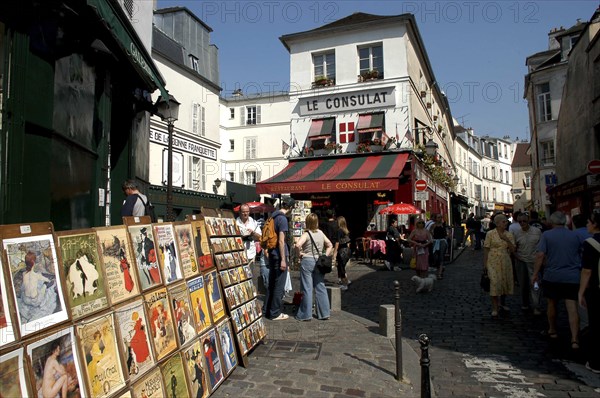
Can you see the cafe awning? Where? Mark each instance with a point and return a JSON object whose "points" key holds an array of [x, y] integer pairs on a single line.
{"points": [[358, 173], [321, 128], [369, 123]]}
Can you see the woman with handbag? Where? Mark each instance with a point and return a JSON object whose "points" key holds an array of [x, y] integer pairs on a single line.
{"points": [[342, 248], [311, 245], [420, 239]]}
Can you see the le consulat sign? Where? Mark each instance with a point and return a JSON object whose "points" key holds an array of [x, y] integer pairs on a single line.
{"points": [[347, 101]]}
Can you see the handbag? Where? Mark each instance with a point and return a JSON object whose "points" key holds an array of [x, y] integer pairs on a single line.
{"points": [[324, 262], [485, 282]]}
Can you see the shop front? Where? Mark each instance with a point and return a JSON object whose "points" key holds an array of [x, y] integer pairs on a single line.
{"points": [[580, 195]]}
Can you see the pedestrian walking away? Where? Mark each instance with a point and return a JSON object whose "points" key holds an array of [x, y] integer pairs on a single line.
{"points": [[342, 248], [134, 203], [527, 238]]}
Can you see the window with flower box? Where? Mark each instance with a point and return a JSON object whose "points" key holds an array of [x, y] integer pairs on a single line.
{"points": [[370, 128], [321, 132], [370, 59]]}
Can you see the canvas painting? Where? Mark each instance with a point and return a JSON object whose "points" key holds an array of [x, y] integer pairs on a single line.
{"points": [[226, 337], [173, 376], [182, 314], [187, 253], [134, 339], [12, 374], [118, 262], [98, 344], [35, 281], [168, 253], [7, 333], [213, 291], [196, 373], [146, 256], [55, 366], [211, 351], [201, 245], [83, 276], [161, 323], [199, 304], [150, 386]]}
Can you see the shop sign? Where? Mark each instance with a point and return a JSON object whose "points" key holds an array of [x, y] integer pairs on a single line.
{"points": [[183, 144], [422, 195], [347, 101]]}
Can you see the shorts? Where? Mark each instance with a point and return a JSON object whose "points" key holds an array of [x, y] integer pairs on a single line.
{"points": [[560, 291]]}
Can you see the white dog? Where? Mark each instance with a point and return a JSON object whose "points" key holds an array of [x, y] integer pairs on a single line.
{"points": [[423, 284]]}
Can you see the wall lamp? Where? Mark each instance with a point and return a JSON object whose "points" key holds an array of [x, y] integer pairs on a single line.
{"points": [[216, 186]]}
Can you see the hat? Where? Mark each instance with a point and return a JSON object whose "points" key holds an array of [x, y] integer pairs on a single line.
{"points": [[143, 230], [287, 202]]}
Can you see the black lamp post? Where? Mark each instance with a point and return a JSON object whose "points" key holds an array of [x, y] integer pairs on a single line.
{"points": [[431, 147], [168, 110]]}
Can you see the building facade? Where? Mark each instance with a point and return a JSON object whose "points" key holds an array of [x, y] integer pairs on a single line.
{"points": [[521, 174]]}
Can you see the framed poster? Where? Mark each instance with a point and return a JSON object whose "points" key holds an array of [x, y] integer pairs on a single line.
{"points": [[55, 369], [161, 323], [185, 322], [205, 260], [195, 370], [119, 263], [82, 272], [134, 340], [226, 338], [150, 386], [211, 351], [35, 280], [12, 374], [100, 356], [213, 291], [146, 256], [173, 376], [7, 331], [199, 304], [187, 253], [168, 253]]}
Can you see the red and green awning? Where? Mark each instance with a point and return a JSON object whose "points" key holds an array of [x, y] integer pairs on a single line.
{"points": [[321, 128], [370, 122], [360, 173]]}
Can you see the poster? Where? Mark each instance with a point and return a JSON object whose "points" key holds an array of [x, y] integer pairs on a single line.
{"points": [[199, 304], [187, 253], [7, 333], [201, 245], [161, 323], [194, 368], [213, 292], [35, 281], [146, 256], [227, 341], [134, 339], [211, 351], [168, 253], [119, 263], [185, 323], [12, 374], [98, 345], [83, 276], [149, 387], [173, 376], [55, 366]]}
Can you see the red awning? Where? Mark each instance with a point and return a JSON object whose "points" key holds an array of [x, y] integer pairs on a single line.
{"points": [[321, 128], [359, 173]]}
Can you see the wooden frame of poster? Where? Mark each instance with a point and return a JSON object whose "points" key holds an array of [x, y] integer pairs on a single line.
{"points": [[145, 254], [119, 263], [32, 270], [8, 333], [201, 243], [182, 310], [85, 282], [174, 378], [161, 323], [56, 352], [13, 375], [187, 252], [167, 252], [149, 386], [195, 370]]}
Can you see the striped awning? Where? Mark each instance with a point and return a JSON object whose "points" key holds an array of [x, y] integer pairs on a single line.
{"points": [[321, 128], [359, 173], [370, 122]]}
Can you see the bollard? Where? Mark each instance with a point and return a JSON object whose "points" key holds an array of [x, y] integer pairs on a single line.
{"points": [[424, 362], [398, 326]]}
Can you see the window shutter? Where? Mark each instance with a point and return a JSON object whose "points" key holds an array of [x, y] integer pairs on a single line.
{"points": [[243, 115], [195, 107], [258, 114], [203, 175], [203, 121], [242, 179], [257, 175], [247, 148], [253, 150], [190, 182]]}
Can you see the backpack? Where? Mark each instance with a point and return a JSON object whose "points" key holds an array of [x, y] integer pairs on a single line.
{"points": [[594, 243], [268, 239], [148, 209]]}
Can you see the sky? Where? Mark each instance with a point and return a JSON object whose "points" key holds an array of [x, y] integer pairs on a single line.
{"points": [[477, 49]]}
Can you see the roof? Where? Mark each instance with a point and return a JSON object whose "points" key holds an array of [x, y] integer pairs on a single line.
{"points": [[172, 10], [521, 158]]}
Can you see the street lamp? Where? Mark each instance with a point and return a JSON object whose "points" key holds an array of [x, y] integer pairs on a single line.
{"points": [[168, 110], [216, 186], [456, 179], [431, 147]]}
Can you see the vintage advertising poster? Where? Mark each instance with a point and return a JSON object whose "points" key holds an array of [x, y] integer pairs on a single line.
{"points": [[174, 377], [168, 253], [146, 255], [226, 338], [134, 339], [12, 375], [201, 244], [185, 323], [213, 291], [35, 281], [199, 304], [98, 345], [196, 373], [161, 323], [83, 276], [55, 366], [211, 351], [150, 386], [118, 262], [7, 333], [187, 253]]}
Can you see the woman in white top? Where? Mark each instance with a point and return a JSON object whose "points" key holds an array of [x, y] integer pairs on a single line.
{"points": [[310, 277]]}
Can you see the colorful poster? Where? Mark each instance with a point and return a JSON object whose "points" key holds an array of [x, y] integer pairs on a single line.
{"points": [[98, 344], [135, 341], [55, 366], [86, 287], [173, 376], [12, 375], [7, 333], [211, 351], [182, 314], [168, 253], [150, 386], [118, 262], [161, 323], [195, 370], [146, 256], [34, 274], [199, 304], [201, 245], [213, 291], [187, 254], [225, 336]]}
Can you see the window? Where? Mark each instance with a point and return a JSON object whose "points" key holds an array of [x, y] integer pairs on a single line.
{"points": [[196, 174], [194, 63], [493, 173], [547, 152], [324, 65], [321, 130], [198, 119], [494, 194], [250, 177], [371, 127], [128, 4], [371, 58], [250, 115], [230, 176], [527, 180], [250, 148], [507, 181], [231, 145], [543, 102], [231, 113]]}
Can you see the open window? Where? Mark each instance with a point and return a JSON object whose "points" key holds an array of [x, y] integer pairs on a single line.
{"points": [[321, 132], [371, 127]]}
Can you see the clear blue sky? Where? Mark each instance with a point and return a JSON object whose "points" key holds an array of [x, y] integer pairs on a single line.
{"points": [[477, 48]]}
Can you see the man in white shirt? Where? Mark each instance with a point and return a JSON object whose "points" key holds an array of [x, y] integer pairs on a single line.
{"points": [[527, 238], [251, 232]]}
